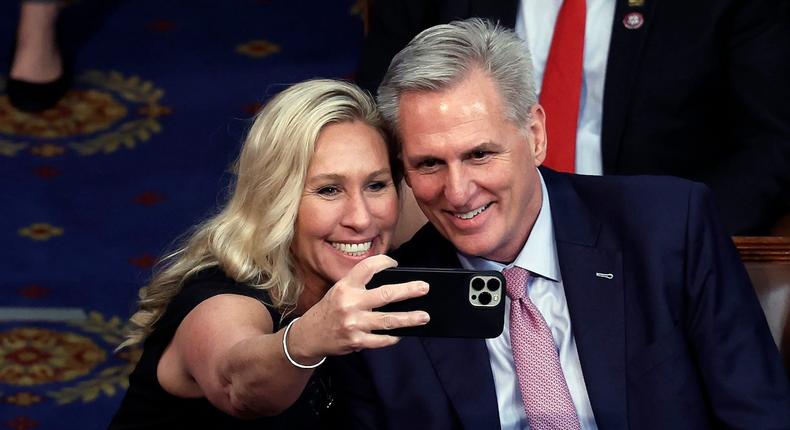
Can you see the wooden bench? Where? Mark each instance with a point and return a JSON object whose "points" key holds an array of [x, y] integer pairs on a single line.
{"points": [[767, 259]]}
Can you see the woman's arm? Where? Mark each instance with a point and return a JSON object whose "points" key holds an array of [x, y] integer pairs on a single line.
{"points": [[225, 349]]}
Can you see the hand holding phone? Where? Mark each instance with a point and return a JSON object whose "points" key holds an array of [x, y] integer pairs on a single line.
{"points": [[461, 303], [344, 320]]}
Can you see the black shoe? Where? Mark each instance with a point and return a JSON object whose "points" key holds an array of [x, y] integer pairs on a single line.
{"points": [[35, 97]]}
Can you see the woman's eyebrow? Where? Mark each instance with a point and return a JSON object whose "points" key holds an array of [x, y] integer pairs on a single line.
{"points": [[384, 171], [335, 177], [328, 177]]}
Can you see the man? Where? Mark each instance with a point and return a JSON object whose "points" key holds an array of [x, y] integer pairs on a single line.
{"points": [[629, 307], [690, 89]]}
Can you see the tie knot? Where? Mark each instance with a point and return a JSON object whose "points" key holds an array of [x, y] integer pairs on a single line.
{"points": [[516, 282]]}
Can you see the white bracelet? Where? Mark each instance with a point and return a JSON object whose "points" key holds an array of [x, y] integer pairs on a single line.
{"points": [[288, 356]]}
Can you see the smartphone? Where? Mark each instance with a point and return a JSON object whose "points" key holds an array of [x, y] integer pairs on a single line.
{"points": [[461, 303]]}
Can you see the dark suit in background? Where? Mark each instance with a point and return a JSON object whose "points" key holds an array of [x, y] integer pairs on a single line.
{"points": [[675, 340], [700, 91]]}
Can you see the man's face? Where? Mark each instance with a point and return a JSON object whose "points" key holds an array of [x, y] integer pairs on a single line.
{"points": [[472, 171]]}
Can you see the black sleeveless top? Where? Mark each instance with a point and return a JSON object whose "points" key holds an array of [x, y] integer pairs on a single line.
{"points": [[147, 405]]}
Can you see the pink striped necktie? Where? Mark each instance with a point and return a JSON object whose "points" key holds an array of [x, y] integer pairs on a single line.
{"points": [[547, 401]]}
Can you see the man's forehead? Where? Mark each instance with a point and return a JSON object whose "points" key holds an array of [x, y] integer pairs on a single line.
{"points": [[443, 106], [475, 85], [425, 111]]}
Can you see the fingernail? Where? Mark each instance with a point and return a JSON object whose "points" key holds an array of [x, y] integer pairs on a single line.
{"points": [[424, 317], [424, 287]]}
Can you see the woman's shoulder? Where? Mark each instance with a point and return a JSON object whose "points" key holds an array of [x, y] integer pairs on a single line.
{"points": [[211, 282]]}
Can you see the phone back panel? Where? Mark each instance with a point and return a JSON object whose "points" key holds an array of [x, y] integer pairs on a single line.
{"points": [[448, 303]]}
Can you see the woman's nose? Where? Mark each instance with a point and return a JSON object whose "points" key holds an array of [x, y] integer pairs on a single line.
{"points": [[357, 214]]}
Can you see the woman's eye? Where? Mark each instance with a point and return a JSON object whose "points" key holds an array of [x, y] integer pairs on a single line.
{"points": [[328, 191], [377, 186]]}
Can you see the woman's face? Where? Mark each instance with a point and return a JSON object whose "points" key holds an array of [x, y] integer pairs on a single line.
{"points": [[349, 205]]}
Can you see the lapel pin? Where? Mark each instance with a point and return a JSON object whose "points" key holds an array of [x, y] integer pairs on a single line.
{"points": [[633, 20], [604, 275]]}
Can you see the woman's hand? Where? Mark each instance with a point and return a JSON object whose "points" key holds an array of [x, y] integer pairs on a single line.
{"points": [[342, 321]]}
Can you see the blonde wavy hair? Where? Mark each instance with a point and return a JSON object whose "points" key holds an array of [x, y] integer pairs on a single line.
{"points": [[250, 238]]}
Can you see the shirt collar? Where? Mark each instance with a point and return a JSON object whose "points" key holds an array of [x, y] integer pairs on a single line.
{"points": [[539, 254]]}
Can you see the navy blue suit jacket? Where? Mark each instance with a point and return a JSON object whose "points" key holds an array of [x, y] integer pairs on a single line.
{"points": [[675, 340], [699, 91]]}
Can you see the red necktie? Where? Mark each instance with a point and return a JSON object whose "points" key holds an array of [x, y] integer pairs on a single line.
{"points": [[562, 85], [547, 400]]}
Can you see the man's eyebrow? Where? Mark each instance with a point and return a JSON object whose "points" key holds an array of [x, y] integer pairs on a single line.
{"points": [[417, 159], [484, 146]]}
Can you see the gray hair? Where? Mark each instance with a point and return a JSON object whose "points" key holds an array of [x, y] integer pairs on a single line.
{"points": [[443, 55]]}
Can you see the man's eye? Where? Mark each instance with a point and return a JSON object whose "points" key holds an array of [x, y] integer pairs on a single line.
{"points": [[429, 163], [479, 155], [328, 191]]}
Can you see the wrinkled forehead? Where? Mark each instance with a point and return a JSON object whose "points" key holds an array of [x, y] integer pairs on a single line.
{"points": [[471, 100]]}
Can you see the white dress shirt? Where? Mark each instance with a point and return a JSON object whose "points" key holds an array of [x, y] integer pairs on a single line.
{"points": [[535, 24], [539, 256]]}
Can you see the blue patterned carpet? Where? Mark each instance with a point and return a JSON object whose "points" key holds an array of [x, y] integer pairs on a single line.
{"points": [[92, 191]]}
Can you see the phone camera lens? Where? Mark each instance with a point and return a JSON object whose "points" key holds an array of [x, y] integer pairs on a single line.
{"points": [[485, 298], [478, 284], [493, 284]]}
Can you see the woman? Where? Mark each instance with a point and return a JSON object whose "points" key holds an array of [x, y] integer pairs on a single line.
{"points": [[315, 201]]}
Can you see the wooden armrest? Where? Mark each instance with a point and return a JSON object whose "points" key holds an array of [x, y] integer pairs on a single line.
{"points": [[763, 249], [767, 260]]}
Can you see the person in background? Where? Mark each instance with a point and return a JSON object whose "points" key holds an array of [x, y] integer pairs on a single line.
{"points": [[37, 78], [628, 304], [237, 321], [668, 87]]}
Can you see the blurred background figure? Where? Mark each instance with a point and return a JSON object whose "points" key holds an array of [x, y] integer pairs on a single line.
{"points": [[37, 78], [650, 86]]}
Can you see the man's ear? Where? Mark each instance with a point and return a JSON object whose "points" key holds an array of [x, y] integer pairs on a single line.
{"points": [[537, 133]]}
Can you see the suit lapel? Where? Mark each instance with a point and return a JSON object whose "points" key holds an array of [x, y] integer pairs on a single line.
{"points": [[462, 365], [596, 308], [463, 368], [592, 276], [625, 50]]}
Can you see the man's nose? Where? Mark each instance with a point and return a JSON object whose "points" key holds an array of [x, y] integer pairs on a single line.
{"points": [[458, 186], [357, 213]]}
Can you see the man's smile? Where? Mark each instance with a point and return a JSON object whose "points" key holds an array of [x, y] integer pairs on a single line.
{"points": [[473, 213]]}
